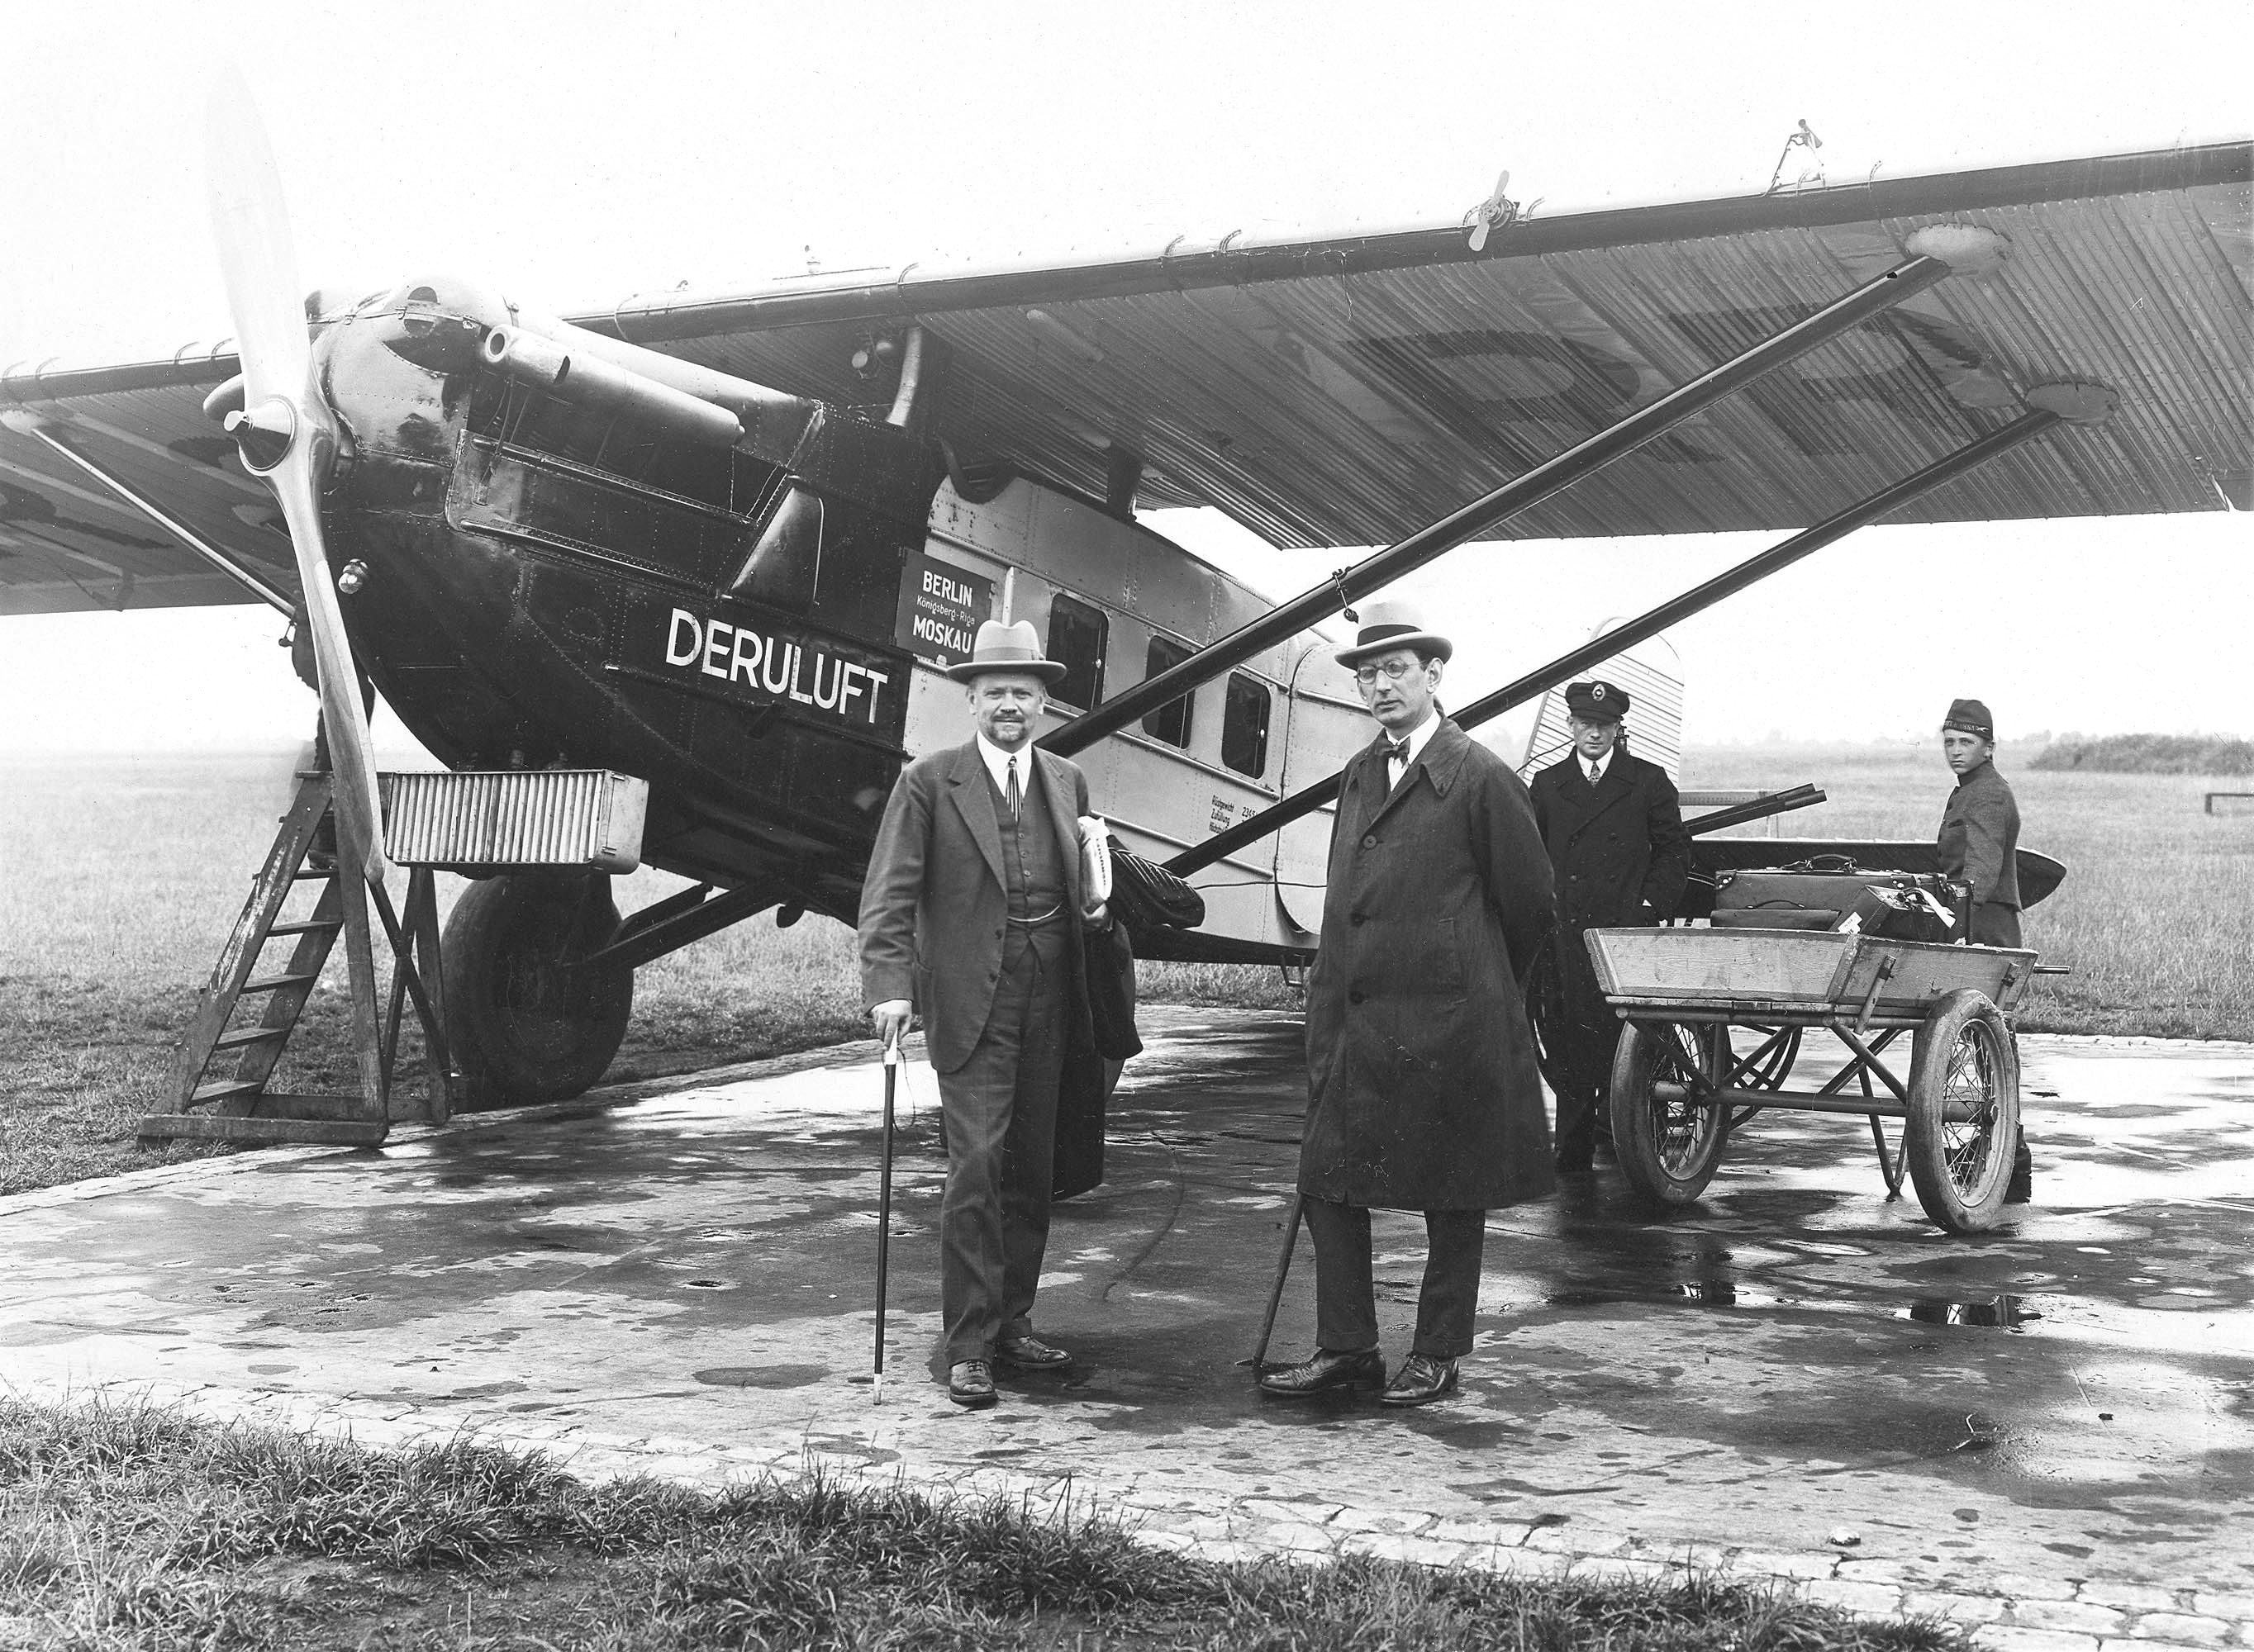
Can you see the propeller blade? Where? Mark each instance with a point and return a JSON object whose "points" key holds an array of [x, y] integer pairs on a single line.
{"points": [[284, 426], [352, 754], [258, 260]]}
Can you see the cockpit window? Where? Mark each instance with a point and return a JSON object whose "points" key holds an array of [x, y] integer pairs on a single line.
{"points": [[785, 567]]}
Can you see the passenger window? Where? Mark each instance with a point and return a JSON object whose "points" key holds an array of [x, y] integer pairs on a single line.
{"points": [[1076, 638], [1244, 725], [1170, 722]]}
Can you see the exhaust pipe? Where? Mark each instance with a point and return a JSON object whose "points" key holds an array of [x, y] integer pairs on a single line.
{"points": [[772, 422], [589, 382]]}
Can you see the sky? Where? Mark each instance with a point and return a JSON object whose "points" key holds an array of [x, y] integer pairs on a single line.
{"points": [[574, 154]]}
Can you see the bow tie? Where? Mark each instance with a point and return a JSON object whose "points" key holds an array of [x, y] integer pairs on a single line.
{"points": [[1397, 751]]}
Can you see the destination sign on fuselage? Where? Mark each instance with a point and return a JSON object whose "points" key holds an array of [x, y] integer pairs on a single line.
{"points": [[942, 607], [773, 668]]}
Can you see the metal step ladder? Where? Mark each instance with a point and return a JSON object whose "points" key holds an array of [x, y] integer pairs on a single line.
{"points": [[210, 1101]]}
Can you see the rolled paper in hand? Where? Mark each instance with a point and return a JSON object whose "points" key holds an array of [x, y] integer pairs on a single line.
{"points": [[1094, 858]]}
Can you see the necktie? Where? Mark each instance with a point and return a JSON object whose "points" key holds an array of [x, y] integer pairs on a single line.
{"points": [[1595, 774], [1014, 795]]}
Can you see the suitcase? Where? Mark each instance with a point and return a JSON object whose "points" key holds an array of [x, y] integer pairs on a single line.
{"points": [[1909, 906]]}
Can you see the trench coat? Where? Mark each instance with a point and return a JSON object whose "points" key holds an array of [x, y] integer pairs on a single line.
{"points": [[1422, 1091]]}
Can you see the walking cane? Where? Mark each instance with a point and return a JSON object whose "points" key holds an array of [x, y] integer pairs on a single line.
{"points": [[1276, 1291], [885, 1217]]}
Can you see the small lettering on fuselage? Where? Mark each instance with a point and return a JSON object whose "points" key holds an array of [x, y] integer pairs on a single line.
{"points": [[737, 654]]}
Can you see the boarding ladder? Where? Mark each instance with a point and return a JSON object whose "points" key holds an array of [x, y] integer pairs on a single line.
{"points": [[220, 1080]]}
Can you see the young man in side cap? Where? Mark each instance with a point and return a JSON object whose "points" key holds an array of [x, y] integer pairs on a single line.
{"points": [[1614, 826], [1980, 846], [1422, 1090]]}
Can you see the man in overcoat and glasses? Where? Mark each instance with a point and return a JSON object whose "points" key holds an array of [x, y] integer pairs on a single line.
{"points": [[1422, 1090]]}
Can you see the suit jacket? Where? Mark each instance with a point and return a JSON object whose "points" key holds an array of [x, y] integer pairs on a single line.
{"points": [[1614, 848], [1979, 837], [934, 901], [1422, 1092]]}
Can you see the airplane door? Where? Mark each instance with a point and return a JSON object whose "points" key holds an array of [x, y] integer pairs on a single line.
{"points": [[1326, 725]]}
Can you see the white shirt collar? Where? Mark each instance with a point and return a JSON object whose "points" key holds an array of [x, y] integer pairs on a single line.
{"points": [[1418, 736], [998, 764]]}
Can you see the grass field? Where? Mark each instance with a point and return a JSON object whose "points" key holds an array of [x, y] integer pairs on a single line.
{"points": [[125, 874], [126, 1527]]}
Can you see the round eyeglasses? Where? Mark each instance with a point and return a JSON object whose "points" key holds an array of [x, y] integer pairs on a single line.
{"points": [[1392, 671]]}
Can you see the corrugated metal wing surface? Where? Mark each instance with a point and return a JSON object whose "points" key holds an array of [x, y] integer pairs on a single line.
{"points": [[1334, 404]]}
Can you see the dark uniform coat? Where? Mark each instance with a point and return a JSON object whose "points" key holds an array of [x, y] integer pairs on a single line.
{"points": [[1979, 845], [1422, 1091], [1616, 847]]}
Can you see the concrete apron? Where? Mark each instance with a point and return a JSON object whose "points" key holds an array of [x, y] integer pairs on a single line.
{"points": [[1796, 1377]]}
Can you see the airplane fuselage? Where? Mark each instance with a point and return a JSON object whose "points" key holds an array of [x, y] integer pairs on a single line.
{"points": [[548, 584]]}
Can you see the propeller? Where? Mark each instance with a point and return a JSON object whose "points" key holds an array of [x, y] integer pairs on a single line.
{"points": [[284, 429], [1498, 211]]}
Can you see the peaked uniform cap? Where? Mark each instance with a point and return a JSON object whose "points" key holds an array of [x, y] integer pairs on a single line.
{"points": [[1597, 701], [1386, 626], [1972, 717], [1007, 648]]}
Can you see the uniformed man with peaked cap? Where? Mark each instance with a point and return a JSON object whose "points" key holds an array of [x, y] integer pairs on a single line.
{"points": [[1422, 1088], [1613, 827]]}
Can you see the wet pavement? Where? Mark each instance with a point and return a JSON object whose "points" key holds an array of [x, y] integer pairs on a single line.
{"points": [[2049, 1428]]}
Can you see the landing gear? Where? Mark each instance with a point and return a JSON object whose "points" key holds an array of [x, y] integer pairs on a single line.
{"points": [[529, 1019]]}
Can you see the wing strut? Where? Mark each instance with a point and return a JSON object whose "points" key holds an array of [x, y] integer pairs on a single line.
{"points": [[42, 430], [2024, 428], [1970, 248]]}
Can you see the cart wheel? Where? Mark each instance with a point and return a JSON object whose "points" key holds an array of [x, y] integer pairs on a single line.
{"points": [[1668, 1143], [1964, 1111]]}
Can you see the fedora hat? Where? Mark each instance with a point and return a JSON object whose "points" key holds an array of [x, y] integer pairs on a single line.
{"points": [[1012, 648], [1386, 626]]}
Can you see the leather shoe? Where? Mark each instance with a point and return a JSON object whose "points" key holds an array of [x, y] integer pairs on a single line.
{"points": [[1029, 1353], [1324, 1372], [970, 1382], [1422, 1380]]}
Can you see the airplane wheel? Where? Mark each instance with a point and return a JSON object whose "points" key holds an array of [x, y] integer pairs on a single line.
{"points": [[1668, 1145], [525, 1024], [1964, 1111]]}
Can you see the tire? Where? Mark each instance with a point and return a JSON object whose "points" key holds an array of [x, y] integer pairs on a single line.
{"points": [[1962, 1062], [1669, 1146], [523, 1028]]}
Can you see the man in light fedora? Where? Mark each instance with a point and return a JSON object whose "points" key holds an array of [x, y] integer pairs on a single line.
{"points": [[1422, 1088], [972, 913]]}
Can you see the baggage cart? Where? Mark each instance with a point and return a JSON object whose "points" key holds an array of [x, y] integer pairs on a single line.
{"points": [[1714, 1021]]}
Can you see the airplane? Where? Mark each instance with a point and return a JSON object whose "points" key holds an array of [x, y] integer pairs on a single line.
{"points": [[726, 543]]}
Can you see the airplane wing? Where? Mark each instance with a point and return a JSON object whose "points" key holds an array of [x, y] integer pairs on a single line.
{"points": [[1346, 390], [72, 536]]}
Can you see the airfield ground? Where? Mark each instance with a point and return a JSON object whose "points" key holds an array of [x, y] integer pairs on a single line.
{"points": [[125, 874], [2047, 1432]]}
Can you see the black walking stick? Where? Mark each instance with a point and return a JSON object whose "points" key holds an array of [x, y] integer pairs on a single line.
{"points": [[884, 1217], [1276, 1291]]}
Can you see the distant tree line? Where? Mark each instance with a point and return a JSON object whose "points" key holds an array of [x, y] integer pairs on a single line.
{"points": [[2150, 754]]}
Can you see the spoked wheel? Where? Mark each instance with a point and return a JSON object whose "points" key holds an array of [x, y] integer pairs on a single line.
{"points": [[528, 1019], [1668, 1141], [1964, 1111]]}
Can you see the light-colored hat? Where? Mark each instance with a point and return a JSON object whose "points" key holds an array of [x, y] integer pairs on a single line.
{"points": [[1386, 626], [999, 647]]}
